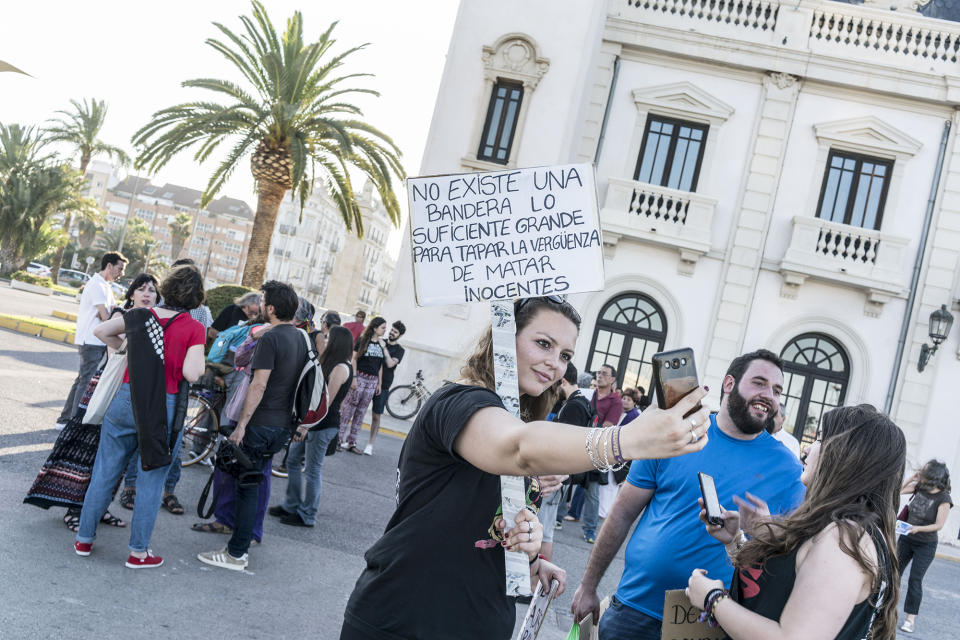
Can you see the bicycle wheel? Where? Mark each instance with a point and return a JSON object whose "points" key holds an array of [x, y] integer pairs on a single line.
{"points": [[200, 429], [403, 402]]}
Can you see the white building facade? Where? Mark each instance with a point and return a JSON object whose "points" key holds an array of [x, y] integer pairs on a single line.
{"points": [[770, 175]]}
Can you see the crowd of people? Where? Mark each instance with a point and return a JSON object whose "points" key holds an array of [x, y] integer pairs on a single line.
{"points": [[798, 533]]}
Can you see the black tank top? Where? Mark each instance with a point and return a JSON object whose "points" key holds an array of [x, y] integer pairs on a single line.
{"points": [[765, 591], [332, 419]]}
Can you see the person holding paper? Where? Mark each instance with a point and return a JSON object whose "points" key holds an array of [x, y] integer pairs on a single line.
{"points": [[438, 570], [831, 557]]}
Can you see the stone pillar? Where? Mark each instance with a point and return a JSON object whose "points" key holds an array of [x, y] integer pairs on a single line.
{"points": [[599, 94], [745, 248]]}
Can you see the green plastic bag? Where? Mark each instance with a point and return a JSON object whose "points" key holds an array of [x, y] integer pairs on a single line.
{"points": [[574, 632]]}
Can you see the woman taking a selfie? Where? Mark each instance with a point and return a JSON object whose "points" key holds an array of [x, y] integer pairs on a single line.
{"points": [[444, 544], [926, 514], [833, 557]]}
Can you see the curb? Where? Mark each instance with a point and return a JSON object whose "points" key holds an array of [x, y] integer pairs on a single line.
{"points": [[28, 328], [64, 315], [394, 433]]}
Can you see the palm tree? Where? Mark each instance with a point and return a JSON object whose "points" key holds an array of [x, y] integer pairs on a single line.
{"points": [[81, 129], [180, 229], [288, 108], [33, 188]]}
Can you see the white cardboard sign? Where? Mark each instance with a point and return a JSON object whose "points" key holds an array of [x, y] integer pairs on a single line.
{"points": [[501, 235]]}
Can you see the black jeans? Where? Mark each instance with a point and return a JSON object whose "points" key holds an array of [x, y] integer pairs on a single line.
{"points": [[922, 554], [260, 443]]}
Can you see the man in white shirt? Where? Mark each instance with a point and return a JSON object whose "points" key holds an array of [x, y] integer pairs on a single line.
{"points": [[775, 428], [96, 302]]}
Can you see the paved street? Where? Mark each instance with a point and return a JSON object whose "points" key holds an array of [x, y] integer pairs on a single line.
{"points": [[299, 579]]}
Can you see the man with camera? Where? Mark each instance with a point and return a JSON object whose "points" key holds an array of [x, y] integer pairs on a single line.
{"points": [[265, 423], [670, 541]]}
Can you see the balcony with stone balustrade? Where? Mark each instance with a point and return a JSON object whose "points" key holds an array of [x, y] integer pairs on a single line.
{"points": [[658, 215], [808, 38], [870, 260]]}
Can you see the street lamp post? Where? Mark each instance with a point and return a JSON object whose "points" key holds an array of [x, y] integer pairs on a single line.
{"points": [[940, 322]]}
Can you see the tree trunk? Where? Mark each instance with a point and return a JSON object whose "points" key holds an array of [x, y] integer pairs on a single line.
{"points": [[176, 246], [269, 196], [58, 256]]}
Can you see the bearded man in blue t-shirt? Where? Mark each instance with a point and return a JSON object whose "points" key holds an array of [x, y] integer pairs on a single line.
{"points": [[670, 541]]}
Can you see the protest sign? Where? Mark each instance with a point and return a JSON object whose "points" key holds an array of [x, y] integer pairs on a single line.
{"points": [[537, 612], [502, 235], [680, 620], [496, 236]]}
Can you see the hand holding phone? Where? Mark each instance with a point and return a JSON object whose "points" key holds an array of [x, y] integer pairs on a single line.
{"points": [[674, 376], [710, 500]]}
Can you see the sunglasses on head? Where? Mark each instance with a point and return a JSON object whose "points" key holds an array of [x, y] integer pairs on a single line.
{"points": [[557, 300]]}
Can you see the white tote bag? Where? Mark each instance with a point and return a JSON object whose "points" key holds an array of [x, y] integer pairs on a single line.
{"points": [[110, 380]]}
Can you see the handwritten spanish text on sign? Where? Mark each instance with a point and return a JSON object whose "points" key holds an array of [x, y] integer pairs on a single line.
{"points": [[504, 235]]}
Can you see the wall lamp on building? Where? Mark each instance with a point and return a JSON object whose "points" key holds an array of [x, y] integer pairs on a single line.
{"points": [[940, 322]]}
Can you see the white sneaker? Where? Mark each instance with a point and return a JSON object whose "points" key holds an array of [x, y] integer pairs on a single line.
{"points": [[223, 560], [368, 450], [60, 426]]}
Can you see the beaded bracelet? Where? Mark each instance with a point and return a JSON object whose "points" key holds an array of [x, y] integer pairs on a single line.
{"points": [[710, 603], [591, 450]]}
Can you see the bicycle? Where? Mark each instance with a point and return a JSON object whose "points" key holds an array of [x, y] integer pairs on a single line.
{"points": [[404, 401], [202, 424]]}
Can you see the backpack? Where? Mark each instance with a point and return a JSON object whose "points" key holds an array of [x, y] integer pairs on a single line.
{"points": [[310, 401], [225, 344]]}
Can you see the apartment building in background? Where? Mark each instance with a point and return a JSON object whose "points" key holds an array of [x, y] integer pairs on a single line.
{"points": [[324, 262], [220, 233]]}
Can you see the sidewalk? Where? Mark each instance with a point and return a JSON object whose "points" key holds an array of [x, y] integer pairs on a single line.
{"points": [[949, 551]]}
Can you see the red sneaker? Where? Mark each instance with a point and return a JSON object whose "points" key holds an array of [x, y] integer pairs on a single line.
{"points": [[150, 562], [82, 548]]}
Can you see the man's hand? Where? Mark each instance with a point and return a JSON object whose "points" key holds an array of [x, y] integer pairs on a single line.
{"points": [[753, 511], [377, 392], [585, 602], [726, 532], [548, 572], [237, 436]]}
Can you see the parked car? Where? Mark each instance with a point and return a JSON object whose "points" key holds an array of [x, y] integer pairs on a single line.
{"points": [[73, 277], [38, 269]]}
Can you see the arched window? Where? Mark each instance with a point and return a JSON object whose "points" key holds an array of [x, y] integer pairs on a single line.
{"points": [[816, 371], [630, 329]]}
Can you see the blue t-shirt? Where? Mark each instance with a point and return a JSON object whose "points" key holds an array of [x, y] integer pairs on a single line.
{"points": [[670, 541]]}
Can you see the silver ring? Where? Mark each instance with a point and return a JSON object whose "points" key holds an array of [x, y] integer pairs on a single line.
{"points": [[693, 423], [693, 436], [529, 536]]}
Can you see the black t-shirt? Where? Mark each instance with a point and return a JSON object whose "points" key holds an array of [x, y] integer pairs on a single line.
{"points": [[231, 316], [332, 419], [576, 411], [283, 350], [396, 352], [765, 590], [370, 360], [922, 511], [425, 578]]}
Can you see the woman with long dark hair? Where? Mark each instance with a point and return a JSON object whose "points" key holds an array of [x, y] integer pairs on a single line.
{"points": [[368, 375], [65, 475], [833, 557], [926, 514], [299, 508], [438, 570]]}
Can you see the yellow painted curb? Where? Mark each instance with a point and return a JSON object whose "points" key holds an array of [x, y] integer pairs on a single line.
{"points": [[9, 323], [946, 557], [389, 432], [69, 339], [29, 327], [64, 315], [53, 334]]}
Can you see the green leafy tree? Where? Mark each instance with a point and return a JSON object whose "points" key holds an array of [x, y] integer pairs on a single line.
{"points": [[80, 128], [180, 229], [288, 107], [34, 187], [138, 246]]}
